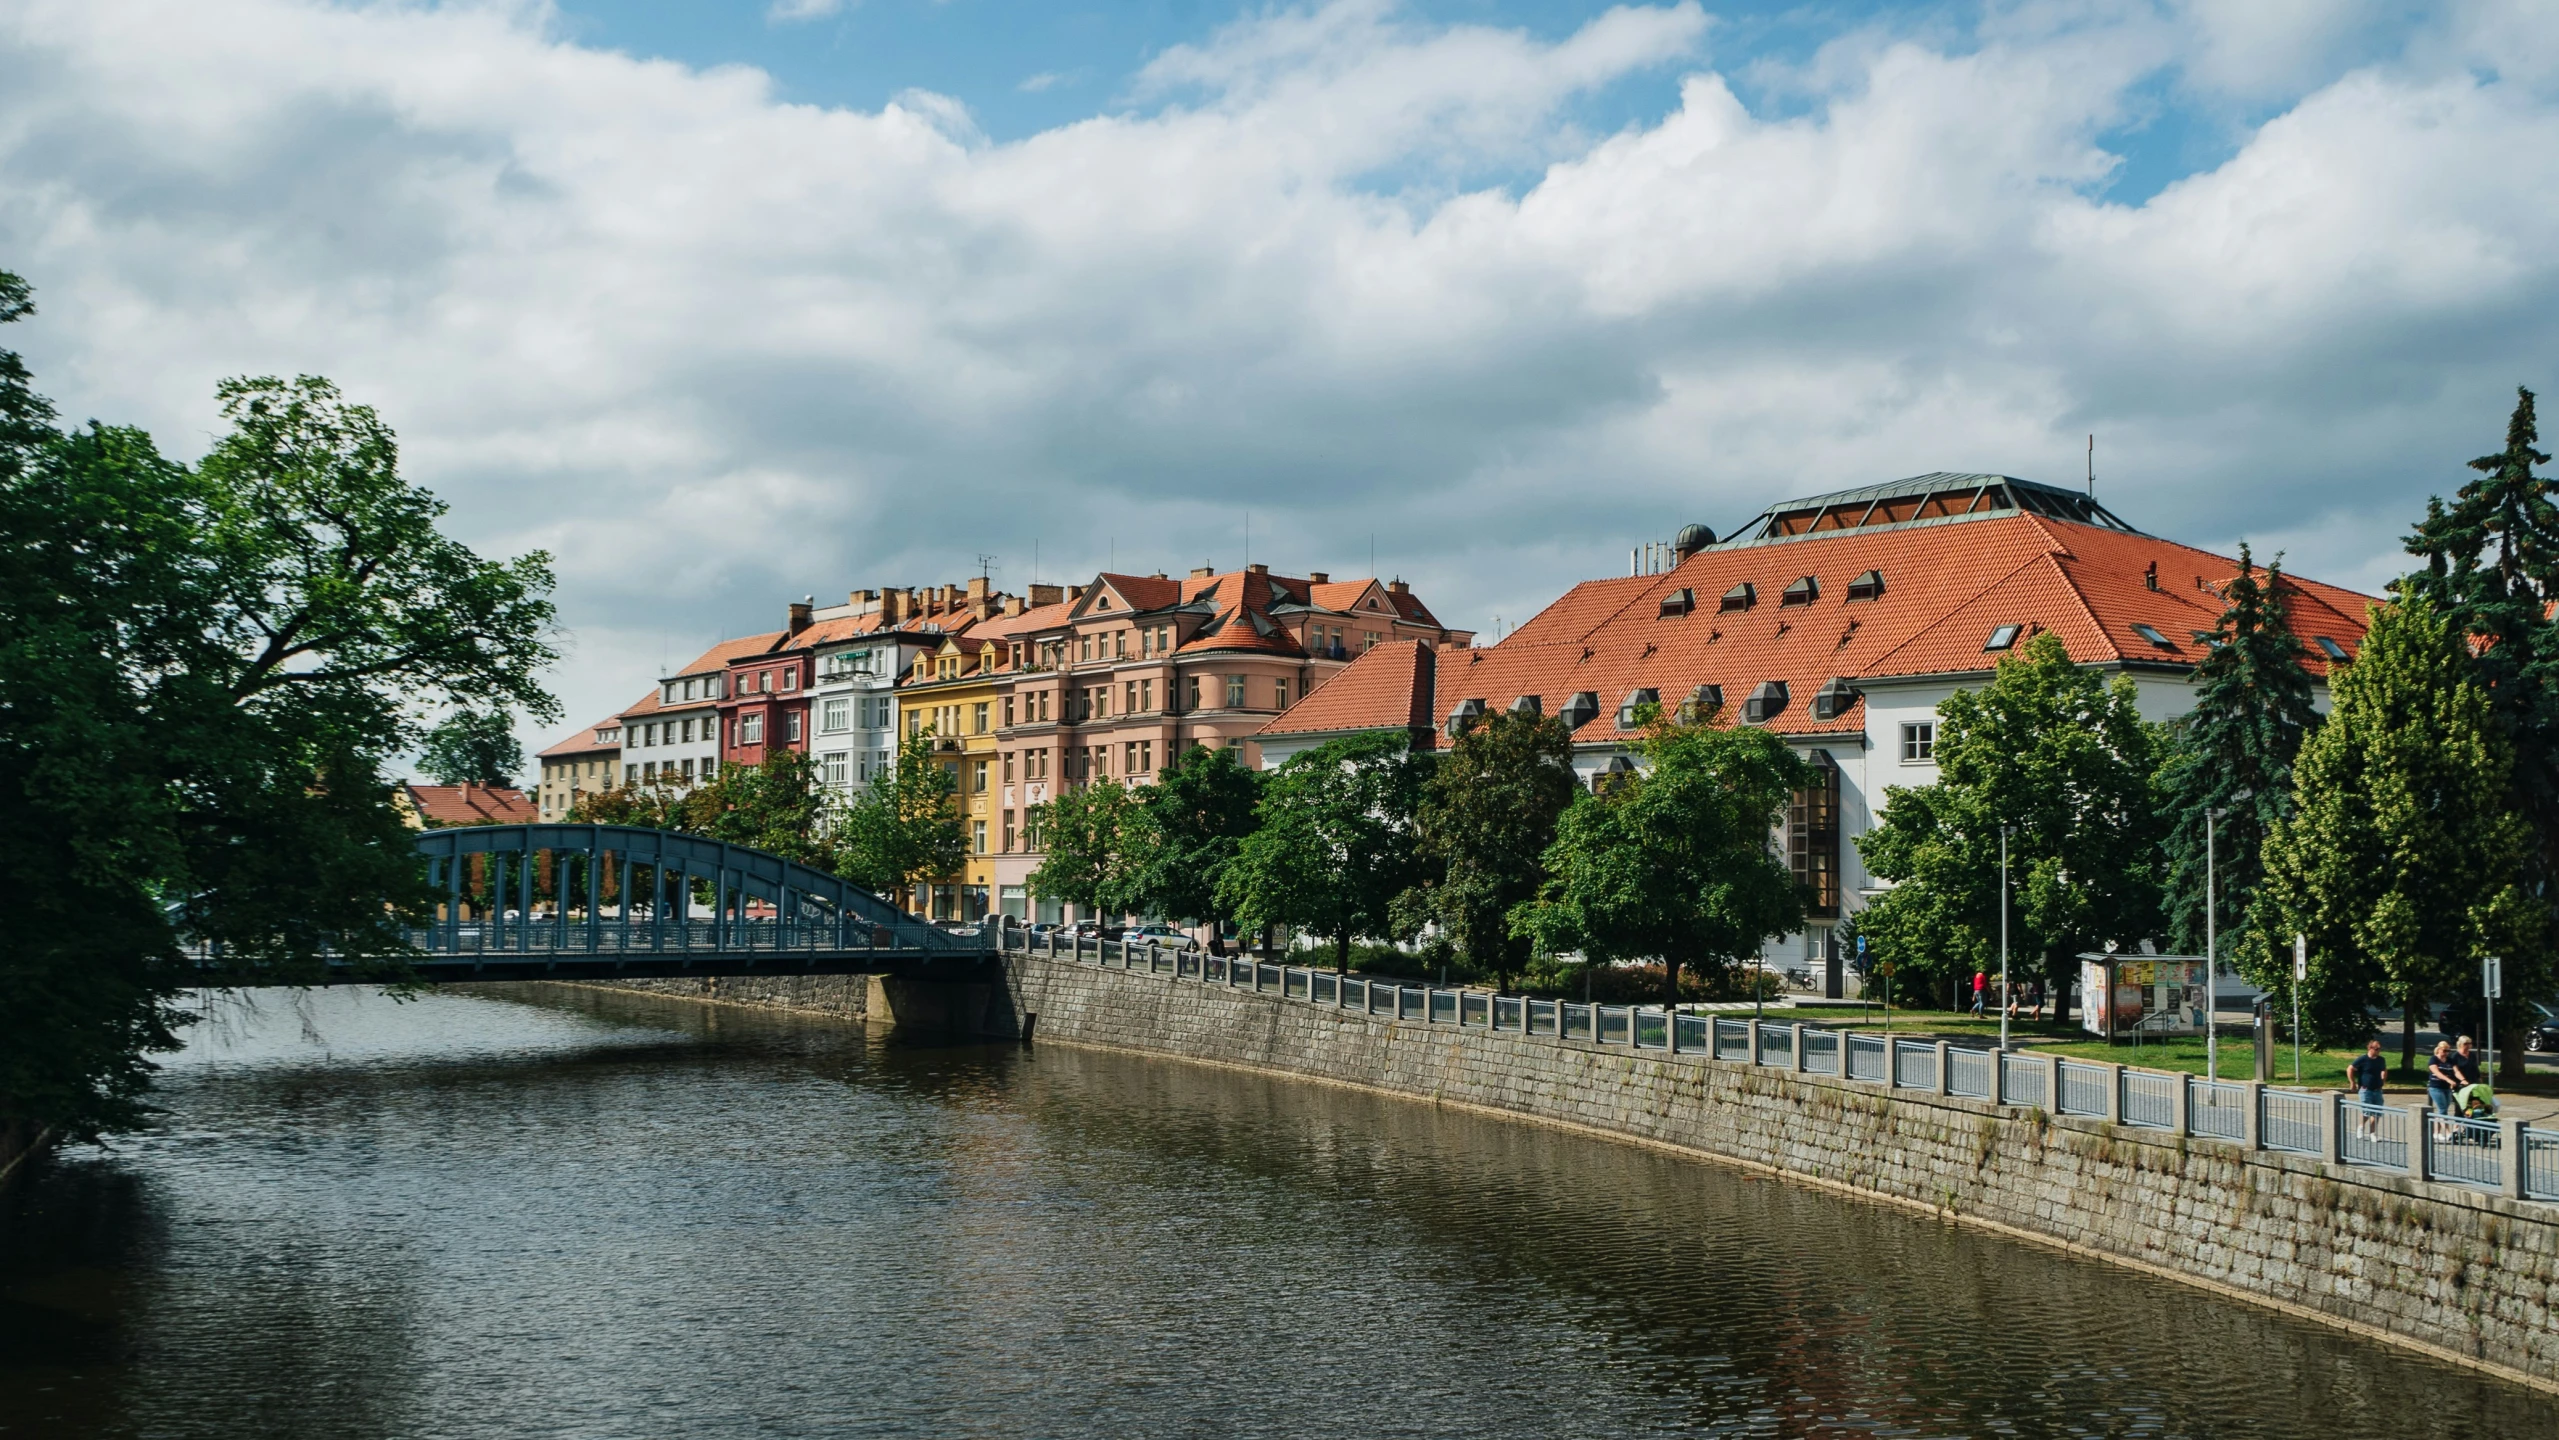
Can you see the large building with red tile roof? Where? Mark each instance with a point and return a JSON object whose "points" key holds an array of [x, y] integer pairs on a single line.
{"points": [[433, 807], [1840, 621]]}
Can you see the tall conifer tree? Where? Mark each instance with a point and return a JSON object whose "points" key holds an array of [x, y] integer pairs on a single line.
{"points": [[2252, 708]]}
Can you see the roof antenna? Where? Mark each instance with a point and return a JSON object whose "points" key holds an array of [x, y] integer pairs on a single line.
{"points": [[986, 567], [2092, 467]]}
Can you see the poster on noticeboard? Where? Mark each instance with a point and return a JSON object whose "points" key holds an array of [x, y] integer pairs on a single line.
{"points": [[2126, 995]]}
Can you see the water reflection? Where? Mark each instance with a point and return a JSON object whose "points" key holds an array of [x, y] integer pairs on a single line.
{"points": [[600, 1215]]}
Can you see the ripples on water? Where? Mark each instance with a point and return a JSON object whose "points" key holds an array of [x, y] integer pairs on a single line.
{"points": [[594, 1215]]}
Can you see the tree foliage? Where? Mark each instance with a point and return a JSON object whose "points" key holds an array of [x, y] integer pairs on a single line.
{"points": [[1084, 835], [2492, 571], [2063, 760], [905, 828], [1488, 812], [776, 806], [472, 747], [1334, 845], [204, 673], [1182, 833], [1675, 861], [2252, 709], [2405, 859]]}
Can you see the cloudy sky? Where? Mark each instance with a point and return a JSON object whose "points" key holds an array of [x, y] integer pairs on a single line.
{"points": [[727, 303]]}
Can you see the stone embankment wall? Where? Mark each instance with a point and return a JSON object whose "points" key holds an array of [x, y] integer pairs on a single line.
{"points": [[852, 997], [2470, 1277]]}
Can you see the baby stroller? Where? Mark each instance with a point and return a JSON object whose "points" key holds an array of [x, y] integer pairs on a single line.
{"points": [[2470, 1102]]}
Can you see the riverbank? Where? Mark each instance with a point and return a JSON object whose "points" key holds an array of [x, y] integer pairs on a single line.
{"points": [[2461, 1275]]}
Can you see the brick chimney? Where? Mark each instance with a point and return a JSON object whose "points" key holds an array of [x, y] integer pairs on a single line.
{"points": [[1257, 569], [1012, 604], [1319, 577], [1048, 595], [1074, 593], [800, 613], [1398, 587], [1201, 572]]}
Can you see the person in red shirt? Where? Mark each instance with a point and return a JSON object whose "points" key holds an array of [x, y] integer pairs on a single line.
{"points": [[1981, 989]]}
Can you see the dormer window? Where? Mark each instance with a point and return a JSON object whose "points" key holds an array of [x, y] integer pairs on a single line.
{"points": [[2151, 634], [1803, 592], [1740, 597], [1703, 701], [1765, 703], [2330, 648], [1464, 716], [1679, 602], [1582, 709], [1628, 716], [2001, 638], [1529, 705], [1836, 698], [1869, 586]]}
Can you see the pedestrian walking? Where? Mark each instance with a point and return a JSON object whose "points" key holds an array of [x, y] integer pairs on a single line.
{"points": [[2365, 1073], [2035, 999], [2466, 1064], [1981, 990], [2441, 1078]]}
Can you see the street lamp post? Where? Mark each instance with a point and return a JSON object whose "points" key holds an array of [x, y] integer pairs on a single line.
{"points": [[2212, 945], [2003, 937]]}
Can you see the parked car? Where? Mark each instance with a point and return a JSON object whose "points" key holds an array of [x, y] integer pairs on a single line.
{"points": [[2541, 1029], [1040, 929], [1094, 930], [1165, 936], [957, 927]]}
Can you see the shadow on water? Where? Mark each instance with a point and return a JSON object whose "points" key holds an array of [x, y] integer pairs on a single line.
{"points": [[570, 1213]]}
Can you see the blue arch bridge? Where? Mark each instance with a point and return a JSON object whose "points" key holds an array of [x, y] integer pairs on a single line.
{"points": [[564, 902]]}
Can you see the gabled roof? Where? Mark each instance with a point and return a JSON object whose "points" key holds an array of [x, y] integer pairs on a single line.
{"points": [[1389, 687], [719, 656], [438, 805], [1946, 588], [588, 741]]}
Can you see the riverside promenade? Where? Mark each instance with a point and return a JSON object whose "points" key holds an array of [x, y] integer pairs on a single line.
{"points": [[2443, 1241]]}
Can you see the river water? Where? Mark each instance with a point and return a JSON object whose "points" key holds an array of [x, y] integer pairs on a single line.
{"points": [[565, 1213]]}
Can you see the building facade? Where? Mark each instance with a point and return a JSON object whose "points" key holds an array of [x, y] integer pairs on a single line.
{"points": [[587, 762], [1842, 622], [671, 737]]}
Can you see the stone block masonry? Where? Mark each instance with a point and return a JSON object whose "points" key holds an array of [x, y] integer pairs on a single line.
{"points": [[2467, 1276]]}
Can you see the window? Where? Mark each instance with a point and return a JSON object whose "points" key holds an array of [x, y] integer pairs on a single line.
{"points": [[1836, 698], [2330, 648], [977, 837], [1083, 647], [750, 728], [1128, 698], [1678, 602], [1740, 597], [1145, 696], [1629, 710], [1582, 709], [1765, 703], [630, 773], [1031, 827], [835, 715], [2001, 638], [791, 727], [1035, 765], [2151, 634], [649, 770], [833, 768], [1234, 692], [1279, 694], [669, 696], [979, 715], [791, 678], [1804, 591], [1463, 715], [1008, 832], [1008, 712], [1008, 767], [688, 769], [1812, 837], [1869, 586], [1703, 701], [1369, 639], [1919, 742], [710, 767], [977, 777]]}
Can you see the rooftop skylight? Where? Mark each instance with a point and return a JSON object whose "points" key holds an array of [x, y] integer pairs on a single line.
{"points": [[2001, 638]]}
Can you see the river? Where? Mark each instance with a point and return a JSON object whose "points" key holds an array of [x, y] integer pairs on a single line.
{"points": [[568, 1213]]}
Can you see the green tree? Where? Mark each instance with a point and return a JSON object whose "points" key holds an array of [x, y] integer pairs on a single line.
{"points": [[2492, 571], [206, 671], [1675, 861], [1083, 838], [905, 828], [2404, 860], [2063, 760], [1182, 833], [1334, 845], [1488, 813], [777, 807], [472, 747], [2252, 708]]}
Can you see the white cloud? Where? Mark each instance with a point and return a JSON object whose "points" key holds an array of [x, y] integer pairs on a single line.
{"points": [[785, 12], [719, 351]]}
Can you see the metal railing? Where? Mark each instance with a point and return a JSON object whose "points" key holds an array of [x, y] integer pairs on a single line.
{"points": [[2375, 1135], [2512, 1159], [2083, 1089], [2465, 1151], [2216, 1110]]}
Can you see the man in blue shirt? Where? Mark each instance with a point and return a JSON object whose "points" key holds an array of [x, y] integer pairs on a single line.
{"points": [[2366, 1073]]}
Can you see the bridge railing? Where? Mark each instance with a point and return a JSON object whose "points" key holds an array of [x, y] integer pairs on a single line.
{"points": [[2510, 1158]]}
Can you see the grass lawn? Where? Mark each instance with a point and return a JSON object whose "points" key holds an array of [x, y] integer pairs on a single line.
{"points": [[2320, 1068]]}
